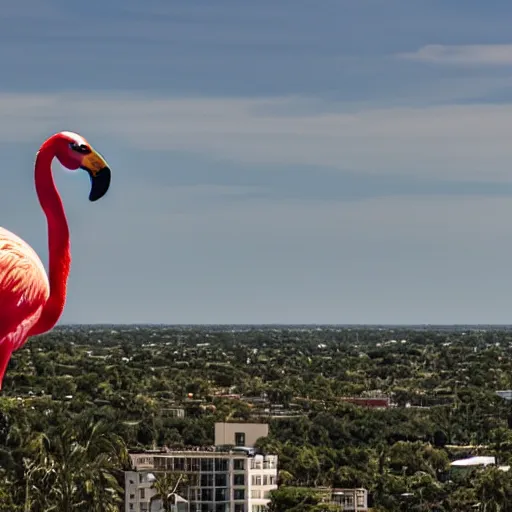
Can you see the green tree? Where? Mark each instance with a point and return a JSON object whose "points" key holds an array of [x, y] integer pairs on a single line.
{"points": [[493, 488], [299, 499], [75, 469], [167, 486]]}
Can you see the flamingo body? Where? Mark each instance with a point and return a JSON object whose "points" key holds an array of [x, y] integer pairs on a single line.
{"points": [[24, 289], [31, 302]]}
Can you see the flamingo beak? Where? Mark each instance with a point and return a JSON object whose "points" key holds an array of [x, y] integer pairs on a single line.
{"points": [[99, 172]]}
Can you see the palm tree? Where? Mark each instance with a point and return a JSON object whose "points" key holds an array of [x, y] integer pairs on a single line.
{"points": [[75, 470], [167, 486]]}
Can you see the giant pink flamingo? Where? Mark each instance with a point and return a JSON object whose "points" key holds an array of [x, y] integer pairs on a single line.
{"points": [[30, 303]]}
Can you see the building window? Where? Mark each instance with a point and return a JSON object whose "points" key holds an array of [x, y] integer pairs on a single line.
{"points": [[239, 439], [143, 494], [256, 480], [221, 495], [206, 465], [239, 494], [221, 480], [256, 495], [239, 507], [268, 464], [193, 465], [272, 480], [239, 464], [206, 494], [160, 462], [207, 480], [221, 464], [239, 479]]}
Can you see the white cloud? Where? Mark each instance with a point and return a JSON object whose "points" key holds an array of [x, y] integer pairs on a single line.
{"points": [[471, 54], [471, 142]]}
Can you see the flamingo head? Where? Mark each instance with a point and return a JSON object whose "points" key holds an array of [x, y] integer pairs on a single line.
{"points": [[74, 152]]}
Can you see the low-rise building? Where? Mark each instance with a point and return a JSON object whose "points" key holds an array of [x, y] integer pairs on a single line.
{"points": [[381, 402], [228, 477], [350, 499]]}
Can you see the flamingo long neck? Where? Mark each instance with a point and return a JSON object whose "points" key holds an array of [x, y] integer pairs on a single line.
{"points": [[58, 239]]}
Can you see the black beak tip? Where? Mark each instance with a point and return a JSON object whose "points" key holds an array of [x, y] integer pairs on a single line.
{"points": [[100, 184]]}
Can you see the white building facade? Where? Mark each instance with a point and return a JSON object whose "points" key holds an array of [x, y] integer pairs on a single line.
{"points": [[219, 479]]}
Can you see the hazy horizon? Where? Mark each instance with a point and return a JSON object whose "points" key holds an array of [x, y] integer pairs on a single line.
{"points": [[280, 324]]}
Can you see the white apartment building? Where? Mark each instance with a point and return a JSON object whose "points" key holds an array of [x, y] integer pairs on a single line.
{"points": [[220, 479]]}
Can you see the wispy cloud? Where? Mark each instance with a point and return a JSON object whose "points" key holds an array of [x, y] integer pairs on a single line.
{"points": [[464, 142], [474, 54]]}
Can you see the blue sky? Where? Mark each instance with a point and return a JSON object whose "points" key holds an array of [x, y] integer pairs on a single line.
{"points": [[274, 161]]}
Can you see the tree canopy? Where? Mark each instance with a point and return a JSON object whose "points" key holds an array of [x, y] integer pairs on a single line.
{"points": [[80, 397]]}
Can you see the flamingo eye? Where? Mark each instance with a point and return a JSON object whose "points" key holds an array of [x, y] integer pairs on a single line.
{"points": [[80, 148]]}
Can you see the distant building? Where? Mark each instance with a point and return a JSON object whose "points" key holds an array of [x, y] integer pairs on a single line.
{"points": [[463, 466], [239, 434], [350, 499], [229, 396], [382, 402], [276, 411], [474, 461], [174, 412], [345, 499], [220, 479], [506, 394]]}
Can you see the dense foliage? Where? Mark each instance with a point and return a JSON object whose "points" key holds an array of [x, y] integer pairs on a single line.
{"points": [[76, 399]]}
